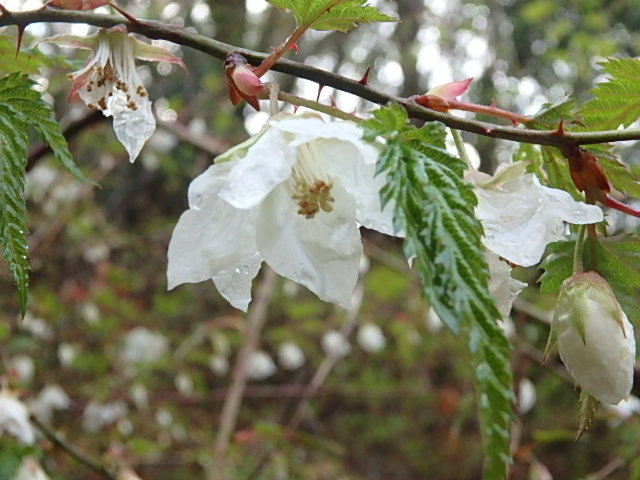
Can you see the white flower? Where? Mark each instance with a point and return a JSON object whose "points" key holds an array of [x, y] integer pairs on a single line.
{"points": [[502, 286], [98, 415], [520, 216], [219, 364], [527, 396], [370, 338], [109, 81], [141, 345], [260, 366], [50, 398], [14, 418], [294, 196], [290, 356], [594, 337], [334, 344]]}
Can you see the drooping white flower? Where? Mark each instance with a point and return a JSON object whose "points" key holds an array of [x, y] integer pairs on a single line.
{"points": [[370, 338], [294, 195], [594, 337], [109, 81], [14, 418], [520, 216], [260, 366], [290, 356]]}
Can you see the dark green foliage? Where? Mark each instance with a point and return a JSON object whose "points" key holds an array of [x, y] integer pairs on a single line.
{"points": [[434, 209], [22, 108]]}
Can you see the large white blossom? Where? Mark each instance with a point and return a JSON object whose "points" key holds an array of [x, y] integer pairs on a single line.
{"points": [[520, 216], [109, 81], [294, 195]]}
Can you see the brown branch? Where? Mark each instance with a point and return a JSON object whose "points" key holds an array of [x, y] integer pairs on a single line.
{"points": [[158, 30]]}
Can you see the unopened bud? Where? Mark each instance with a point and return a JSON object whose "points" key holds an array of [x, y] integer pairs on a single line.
{"points": [[594, 337]]}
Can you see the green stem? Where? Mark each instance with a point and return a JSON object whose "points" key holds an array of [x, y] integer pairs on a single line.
{"points": [[462, 151], [313, 105], [578, 266]]}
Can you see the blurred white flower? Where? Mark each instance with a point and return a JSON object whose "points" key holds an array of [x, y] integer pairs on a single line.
{"points": [[139, 394], [164, 418], [67, 352], [50, 398], [432, 321], [127, 474], [90, 313], [98, 415], [526, 395], [184, 384], [334, 344], [141, 345], [30, 469], [37, 327], [294, 196], [370, 338], [22, 368], [14, 418], [290, 356], [520, 216], [260, 366], [219, 364]]}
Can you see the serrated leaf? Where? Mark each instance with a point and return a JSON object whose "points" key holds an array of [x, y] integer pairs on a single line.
{"points": [[28, 61], [617, 101], [617, 259], [557, 266], [342, 15], [22, 109], [434, 206], [550, 116], [620, 175]]}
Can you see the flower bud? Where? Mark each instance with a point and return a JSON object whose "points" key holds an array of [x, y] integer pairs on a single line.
{"points": [[594, 337]]}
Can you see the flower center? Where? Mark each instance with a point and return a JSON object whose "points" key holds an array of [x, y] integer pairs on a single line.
{"points": [[310, 184]]}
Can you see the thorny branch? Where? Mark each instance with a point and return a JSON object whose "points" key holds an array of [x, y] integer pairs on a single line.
{"points": [[158, 30]]}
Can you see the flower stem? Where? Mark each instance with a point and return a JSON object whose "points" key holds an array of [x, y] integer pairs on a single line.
{"points": [[457, 139], [578, 266], [313, 105]]}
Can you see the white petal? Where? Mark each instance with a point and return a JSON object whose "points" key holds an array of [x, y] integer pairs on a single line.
{"points": [[14, 418], [503, 288], [520, 217], [321, 253], [349, 163], [234, 284], [213, 239], [265, 165], [310, 128], [133, 127]]}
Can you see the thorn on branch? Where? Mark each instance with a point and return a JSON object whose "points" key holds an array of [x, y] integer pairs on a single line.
{"points": [[365, 78], [320, 87]]}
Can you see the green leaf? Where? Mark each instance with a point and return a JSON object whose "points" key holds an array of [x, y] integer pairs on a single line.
{"points": [[342, 15], [21, 108], [550, 116], [620, 176], [617, 101], [557, 266], [27, 61], [434, 208]]}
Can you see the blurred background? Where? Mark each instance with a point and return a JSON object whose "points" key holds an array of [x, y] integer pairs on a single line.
{"points": [[132, 373]]}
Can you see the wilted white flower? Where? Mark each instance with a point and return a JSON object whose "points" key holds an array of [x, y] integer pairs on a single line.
{"points": [[334, 344], [141, 345], [370, 338], [30, 469], [294, 195], [98, 415], [520, 216], [502, 287], [50, 398], [109, 81], [290, 356], [260, 366], [14, 418], [594, 337]]}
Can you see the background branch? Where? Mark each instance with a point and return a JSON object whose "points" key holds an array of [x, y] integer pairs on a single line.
{"points": [[158, 30]]}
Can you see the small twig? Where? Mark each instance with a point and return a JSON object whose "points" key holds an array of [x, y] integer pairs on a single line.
{"points": [[313, 105], [72, 451], [323, 370], [255, 321]]}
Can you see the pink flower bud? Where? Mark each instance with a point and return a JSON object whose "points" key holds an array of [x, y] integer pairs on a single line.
{"points": [[594, 337]]}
